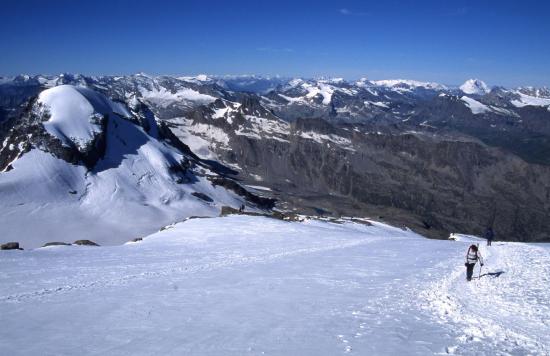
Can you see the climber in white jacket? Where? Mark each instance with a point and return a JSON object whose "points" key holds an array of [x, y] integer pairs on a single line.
{"points": [[472, 256]]}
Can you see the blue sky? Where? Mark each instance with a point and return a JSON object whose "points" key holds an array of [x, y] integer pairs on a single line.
{"points": [[501, 42]]}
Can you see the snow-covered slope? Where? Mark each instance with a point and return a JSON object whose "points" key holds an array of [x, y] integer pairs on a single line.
{"points": [[314, 92], [505, 310], [475, 106], [475, 86], [251, 285], [138, 182], [530, 100]]}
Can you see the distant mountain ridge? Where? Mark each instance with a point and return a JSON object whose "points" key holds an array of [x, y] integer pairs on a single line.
{"points": [[264, 83], [436, 158]]}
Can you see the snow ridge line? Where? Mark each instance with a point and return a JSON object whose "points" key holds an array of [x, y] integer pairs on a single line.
{"points": [[239, 261]]}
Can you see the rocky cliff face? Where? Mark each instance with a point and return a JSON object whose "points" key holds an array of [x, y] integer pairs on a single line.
{"points": [[433, 182]]}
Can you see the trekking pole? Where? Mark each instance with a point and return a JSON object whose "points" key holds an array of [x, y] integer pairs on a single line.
{"points": [[480, 267]]}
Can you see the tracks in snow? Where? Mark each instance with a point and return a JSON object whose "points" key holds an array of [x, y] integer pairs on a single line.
{"points": [[510, 311], [182, 268]]}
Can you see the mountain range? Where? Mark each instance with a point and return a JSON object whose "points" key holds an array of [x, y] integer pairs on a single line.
{"points": [[104, 150]]}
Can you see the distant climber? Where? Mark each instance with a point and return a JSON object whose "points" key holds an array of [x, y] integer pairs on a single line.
{"points": [[241, 208], [489, 235], [472, 256]]}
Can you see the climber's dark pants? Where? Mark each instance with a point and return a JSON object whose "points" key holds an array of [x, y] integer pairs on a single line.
{"points": [[469, 270]]}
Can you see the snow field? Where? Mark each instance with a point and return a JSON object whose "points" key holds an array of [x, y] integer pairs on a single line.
{"points": [[475, 106], [244, 285], [525, 100]]}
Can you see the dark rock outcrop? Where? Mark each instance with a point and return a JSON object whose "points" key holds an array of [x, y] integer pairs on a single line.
{"points": [[202, 196], [85, 243], [227, 210], [10, 246]]}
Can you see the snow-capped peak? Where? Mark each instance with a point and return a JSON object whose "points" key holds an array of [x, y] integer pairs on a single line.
{"points": [[295, 82], [202, 77], [475, 86], [75, 113]]}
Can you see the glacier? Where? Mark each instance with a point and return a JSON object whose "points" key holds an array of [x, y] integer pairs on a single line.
{"points": [[243, 285]]}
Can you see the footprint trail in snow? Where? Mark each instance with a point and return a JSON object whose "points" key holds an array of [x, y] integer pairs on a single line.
{"points": [[507, 309]]}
